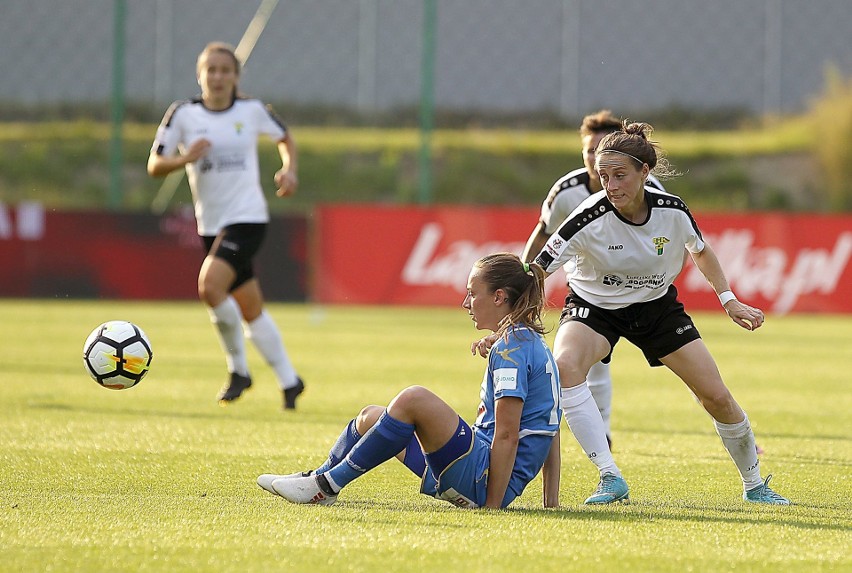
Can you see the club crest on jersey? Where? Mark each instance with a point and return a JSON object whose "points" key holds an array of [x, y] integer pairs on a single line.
{"points": [[238, 127], [660, 242]]}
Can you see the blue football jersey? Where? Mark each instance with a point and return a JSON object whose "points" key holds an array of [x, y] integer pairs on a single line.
{"points": [[521, 365]]}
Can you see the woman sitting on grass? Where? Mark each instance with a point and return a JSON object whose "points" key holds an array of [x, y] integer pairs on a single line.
{"points": [[489, 464]]}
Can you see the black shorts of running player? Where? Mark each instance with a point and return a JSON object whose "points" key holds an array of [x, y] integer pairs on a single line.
{"points": [[657, 328], [237, 245]]}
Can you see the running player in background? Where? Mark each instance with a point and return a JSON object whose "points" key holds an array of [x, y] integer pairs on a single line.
{"points": [[489, 464], [568, 192], [214, 137], [628, 244]]}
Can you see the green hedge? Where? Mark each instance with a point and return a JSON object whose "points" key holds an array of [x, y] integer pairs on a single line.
{"points": [[66, 165]]}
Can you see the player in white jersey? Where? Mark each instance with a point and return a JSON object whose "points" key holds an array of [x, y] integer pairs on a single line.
{"points": [[564, 196], [215, 138], [489, 463], [627, 243]]}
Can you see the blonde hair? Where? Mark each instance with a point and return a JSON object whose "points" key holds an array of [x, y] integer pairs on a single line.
{"points": [[222, 47], [523, 284]]}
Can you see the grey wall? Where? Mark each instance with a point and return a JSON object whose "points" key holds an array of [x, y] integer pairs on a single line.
{"points": [[568, 56]]}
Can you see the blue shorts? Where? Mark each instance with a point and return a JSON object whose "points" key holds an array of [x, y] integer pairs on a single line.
{"points": [[457, 472]]}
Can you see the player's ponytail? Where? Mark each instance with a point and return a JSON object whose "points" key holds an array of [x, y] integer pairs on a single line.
{"points": [[633, 141], [523, 284]]}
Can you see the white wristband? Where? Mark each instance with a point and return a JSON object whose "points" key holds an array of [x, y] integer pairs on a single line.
{"points": [[726, 297]]}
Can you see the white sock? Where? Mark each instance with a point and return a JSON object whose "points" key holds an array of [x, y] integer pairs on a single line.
{"points": [[600, 383], [263, 332], [738, 439], [586, 424], [227, 319]]}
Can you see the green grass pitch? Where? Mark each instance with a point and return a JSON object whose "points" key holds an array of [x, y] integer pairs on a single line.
{"points": [[160, 478]]}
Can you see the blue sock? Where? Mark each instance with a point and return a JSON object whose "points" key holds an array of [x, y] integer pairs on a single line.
{"points": [[415, 460], [381, 442], [347, 439]]}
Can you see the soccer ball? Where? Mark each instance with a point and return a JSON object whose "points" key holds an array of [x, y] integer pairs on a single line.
{"points": [[117, 354]]}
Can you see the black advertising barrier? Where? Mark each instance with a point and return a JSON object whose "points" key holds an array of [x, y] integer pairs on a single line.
{"points": [[49, 254]]}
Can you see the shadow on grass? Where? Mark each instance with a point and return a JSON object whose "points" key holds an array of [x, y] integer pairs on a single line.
{"points": [[697, 513], [701, 513], [759, 435], [228, 413], [233, 412]]}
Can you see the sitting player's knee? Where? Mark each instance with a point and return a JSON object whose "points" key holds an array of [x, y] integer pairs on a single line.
{"points": [[411, 396], [367, 418]]}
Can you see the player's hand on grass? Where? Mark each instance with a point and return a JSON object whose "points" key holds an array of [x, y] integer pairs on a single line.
{"points": [[748, 317], [483, 345]]}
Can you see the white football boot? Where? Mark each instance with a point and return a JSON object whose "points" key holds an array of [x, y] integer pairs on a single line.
{"points": [[265, 480], [304, 489]]}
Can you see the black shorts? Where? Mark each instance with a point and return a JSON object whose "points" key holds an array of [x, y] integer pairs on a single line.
{"points": [[657, 328], [237, 245]]}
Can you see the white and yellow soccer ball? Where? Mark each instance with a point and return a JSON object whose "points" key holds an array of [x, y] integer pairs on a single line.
{"points": [[117, 354]]}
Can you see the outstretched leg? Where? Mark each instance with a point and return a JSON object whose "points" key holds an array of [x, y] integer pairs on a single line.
{"points": [[694, 365]]}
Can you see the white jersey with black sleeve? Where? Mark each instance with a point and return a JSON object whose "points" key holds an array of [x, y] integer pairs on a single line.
{"points": [[617, 262], [225, 183], [569, 191]]}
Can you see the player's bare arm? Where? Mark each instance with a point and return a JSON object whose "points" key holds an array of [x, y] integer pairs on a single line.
{"points": [[286, 178], [535, 243], [507, 420], [550, 474], [746, 316], [161, 165]]}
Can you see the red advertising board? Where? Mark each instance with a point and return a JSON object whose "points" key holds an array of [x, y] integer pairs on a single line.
{"points": [[130, 255], [408, 255], [373, 254], [776, 261]]}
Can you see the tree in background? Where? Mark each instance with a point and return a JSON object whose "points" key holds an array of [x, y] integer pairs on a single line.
{"points": [[831, 114]]}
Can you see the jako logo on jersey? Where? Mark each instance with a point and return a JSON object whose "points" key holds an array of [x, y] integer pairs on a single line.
{"points": [[660, 242], [615, 248], [612, 280], [238, 127]]}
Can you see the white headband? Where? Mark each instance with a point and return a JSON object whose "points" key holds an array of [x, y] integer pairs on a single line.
{"points": [[636, 159]]}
